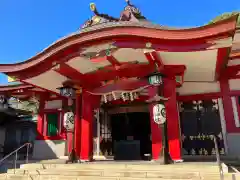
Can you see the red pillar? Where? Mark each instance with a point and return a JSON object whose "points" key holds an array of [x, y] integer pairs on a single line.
{"points": [[89, 103], [156, 131], [69, 139], [172, 118], [78, 107], [227, 105], [40, 119]]}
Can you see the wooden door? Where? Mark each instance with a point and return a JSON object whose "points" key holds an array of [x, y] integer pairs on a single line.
{"points": [[199, 120]]}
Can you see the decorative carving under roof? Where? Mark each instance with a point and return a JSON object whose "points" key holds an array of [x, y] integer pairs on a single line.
{"points": [[130, 13]]}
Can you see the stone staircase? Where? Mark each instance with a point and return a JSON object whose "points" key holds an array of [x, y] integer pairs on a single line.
{"points": [[117, 171]]}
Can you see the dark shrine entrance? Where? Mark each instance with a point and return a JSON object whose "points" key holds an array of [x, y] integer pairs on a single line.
{"points": [[199, 119], [131, 135]]}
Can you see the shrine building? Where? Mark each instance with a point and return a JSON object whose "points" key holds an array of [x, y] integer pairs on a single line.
{"points": [[107, 63]]}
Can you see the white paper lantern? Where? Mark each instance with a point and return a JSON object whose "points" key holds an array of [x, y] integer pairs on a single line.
{"points": [[68, 121]]}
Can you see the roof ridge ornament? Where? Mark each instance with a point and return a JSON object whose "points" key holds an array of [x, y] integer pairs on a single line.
{"points": [[133, 7], [98, 18], [131, 13], [95, 11], [93, 8]]}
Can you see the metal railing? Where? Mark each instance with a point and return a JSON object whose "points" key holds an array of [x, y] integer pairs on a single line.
{"points": [[218, 158], [28, 145]]}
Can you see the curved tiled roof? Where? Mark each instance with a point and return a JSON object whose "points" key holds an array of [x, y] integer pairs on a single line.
{"points": [[225, 16], [13, 87], [123, 28]]}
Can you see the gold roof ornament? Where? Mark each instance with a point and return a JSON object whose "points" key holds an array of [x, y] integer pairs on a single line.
{"points": [[98, 18], [93, 7]]}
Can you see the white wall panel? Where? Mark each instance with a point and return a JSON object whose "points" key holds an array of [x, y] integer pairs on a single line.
{"points": [[55, 104], [191, 88], [234, 84]]}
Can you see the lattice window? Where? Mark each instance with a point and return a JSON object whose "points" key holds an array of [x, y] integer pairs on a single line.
{"points": [[106, 135]]}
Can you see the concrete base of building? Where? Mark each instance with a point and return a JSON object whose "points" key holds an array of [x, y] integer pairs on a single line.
{"points": [[233, 144], [95, 157], [49, 149]]}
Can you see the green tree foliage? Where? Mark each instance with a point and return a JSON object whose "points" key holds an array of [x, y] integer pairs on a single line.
{"points": [[30, 105], [225, 16]]}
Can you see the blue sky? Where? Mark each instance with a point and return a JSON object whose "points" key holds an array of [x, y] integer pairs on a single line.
{"points": [[28, 26]]}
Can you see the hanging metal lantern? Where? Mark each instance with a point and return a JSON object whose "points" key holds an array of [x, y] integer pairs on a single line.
{"points": [[155, 79], [68, 91]]}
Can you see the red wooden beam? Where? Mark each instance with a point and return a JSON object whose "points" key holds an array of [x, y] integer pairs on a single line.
{"points": [[10, 88], [113, 61], [110, 58], [68, 72], [173, 70], [74, 75], [222, 61], [169, 46], [231, 72], [158, 60], [149, 57], [121, 66], [126, 70], [98, 59], [25, 92], [29, 93]]}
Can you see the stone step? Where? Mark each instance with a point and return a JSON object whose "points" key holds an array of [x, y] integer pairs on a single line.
{"points": [[68, 177], [118, 173], [157, 167], [49, 161], [107, 173]]}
